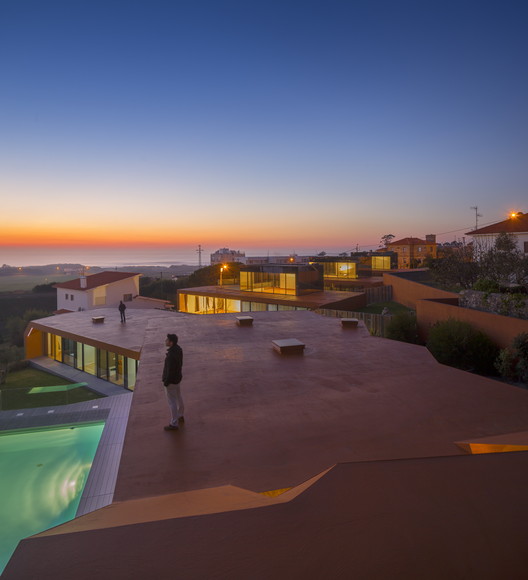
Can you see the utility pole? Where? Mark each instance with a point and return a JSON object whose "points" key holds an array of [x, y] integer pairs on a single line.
{"points": [[199, 250], [477, 215]]}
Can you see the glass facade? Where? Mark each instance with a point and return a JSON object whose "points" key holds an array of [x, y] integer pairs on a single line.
{"points": [[340, 270], [269, 282], [107, 365], [381, 263], [194, 304]]}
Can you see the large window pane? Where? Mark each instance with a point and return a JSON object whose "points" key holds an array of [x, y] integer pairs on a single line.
{"points": [[79, 358], [130, 373], [57, 348], [68, 351], [102, 364], [89, 359]]}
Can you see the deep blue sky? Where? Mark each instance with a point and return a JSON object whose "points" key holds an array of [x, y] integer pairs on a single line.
{"points": [[298, 124]]}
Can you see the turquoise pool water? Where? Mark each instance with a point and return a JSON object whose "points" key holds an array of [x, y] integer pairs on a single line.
{"points": [[43, 473]]}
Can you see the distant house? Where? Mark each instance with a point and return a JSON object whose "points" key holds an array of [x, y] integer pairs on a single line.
{"points": [[412, 252], [516, 225], [101, 290], [225, 255]]}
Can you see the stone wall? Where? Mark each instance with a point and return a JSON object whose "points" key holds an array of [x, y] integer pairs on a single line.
{"points": [[504, 304]]}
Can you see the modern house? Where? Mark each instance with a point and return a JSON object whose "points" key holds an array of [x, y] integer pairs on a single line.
{"points": [[105, 289], [412, 252], [360, 458], [269, 287], [516, 225]]}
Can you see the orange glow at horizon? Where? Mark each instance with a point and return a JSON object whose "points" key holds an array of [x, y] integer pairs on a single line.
{"points": [[102, 235]]}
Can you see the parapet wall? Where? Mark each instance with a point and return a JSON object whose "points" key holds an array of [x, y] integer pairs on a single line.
{"points": [[408, 292], [501, 329]]}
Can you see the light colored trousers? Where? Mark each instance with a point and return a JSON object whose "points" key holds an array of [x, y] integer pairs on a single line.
{"points": [[175, 403]]}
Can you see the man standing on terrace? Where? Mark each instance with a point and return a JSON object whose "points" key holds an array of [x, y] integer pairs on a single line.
{"points": [[172, 376]]}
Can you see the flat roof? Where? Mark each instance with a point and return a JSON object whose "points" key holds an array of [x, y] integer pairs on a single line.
{"points": [[408, 501], [127, 338]]}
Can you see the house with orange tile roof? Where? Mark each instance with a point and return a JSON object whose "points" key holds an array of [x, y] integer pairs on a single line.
{"points": [[516, 225], [101, 290], [412, 252]]}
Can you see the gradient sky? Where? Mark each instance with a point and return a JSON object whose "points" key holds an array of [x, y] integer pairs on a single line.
{"points": [[288, 124]]}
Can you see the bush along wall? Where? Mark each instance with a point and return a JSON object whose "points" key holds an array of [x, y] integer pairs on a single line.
{"points": [[512, 362], [457, 344]]}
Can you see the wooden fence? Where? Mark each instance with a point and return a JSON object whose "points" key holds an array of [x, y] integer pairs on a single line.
{"points": [[376, 323], [378, 294]]}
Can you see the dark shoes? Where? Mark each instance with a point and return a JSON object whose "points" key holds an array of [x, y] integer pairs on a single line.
{"points": [[171, 428], [181, 420]]}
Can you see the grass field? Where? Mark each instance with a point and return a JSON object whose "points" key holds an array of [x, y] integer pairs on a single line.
{"points": [[29, 281], [15, 393]]}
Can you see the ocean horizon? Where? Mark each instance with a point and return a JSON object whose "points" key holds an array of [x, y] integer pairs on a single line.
{"points": [[121, 257]]}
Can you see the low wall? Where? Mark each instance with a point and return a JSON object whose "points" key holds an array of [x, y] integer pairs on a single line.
{"points": [[408, 292], [501, 329]]}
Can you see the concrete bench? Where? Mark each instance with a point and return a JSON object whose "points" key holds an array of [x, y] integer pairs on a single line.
{"points": [[98, 319], [288, 346], [349, 322], [244, 320]]}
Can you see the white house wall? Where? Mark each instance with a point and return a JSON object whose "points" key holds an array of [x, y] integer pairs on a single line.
{"points": [[80, 299], [486, 241], [85, 299], [116, 291]]}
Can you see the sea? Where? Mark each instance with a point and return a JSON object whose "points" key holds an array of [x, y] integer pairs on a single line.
{"points": [[116, 257]]}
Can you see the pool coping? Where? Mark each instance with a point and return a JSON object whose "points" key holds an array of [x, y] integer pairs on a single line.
{"points": [[99, 488]]}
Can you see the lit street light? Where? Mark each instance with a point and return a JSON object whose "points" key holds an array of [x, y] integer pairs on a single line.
{"points": [[222, 268]]}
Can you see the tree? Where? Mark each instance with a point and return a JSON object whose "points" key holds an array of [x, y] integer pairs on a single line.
{"points": [[386, 240], [15, 325], [504, 263], [498, 266], [8, 355], [210, 275], [457, 268]]}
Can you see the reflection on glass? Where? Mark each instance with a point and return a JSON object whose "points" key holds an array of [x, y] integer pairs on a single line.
{"points": [[102, 364], [89, 359], [131, 372], [57, 348], [79, 358]]}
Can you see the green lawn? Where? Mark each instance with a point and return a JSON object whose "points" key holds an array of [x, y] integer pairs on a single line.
{"points": [[15, 393], [29, 281], [393, 307]]}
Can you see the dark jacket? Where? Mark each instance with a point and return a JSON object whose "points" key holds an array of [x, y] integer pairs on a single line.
{"points": [[172, 369]]}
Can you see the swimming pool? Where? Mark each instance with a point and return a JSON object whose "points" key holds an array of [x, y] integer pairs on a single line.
{"points": [[43, 471]]}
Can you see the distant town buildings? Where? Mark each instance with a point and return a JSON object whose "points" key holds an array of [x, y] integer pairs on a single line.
{"points": [[225, 255], [412, 252]]}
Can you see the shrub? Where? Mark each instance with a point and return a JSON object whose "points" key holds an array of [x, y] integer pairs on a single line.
{"points": [[458, 344], [505, 364], [485, 285], [403, 327]]}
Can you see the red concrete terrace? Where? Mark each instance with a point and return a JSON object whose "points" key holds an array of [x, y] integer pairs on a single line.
{"points": [[404, 501]]}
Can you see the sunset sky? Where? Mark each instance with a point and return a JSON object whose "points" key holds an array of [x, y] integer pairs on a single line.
{"points": [[259, 123]]}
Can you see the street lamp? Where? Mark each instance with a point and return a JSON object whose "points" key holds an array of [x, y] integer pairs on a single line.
{"points": [[222, 268]]}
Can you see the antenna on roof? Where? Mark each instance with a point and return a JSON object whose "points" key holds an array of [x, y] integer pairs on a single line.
{"points": [[477, 215]]}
